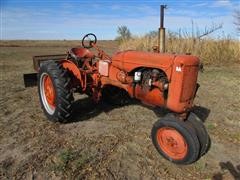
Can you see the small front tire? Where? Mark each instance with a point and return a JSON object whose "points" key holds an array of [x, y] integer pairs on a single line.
{"points": [[202, 134], [175, 140]]}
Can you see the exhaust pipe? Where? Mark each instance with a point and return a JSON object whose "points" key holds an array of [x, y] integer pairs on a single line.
{"points": [[161, 30]]}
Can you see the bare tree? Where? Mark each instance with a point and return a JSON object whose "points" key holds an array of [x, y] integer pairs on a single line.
{"points": [[237, 20], [123, 33], [209, 30]]}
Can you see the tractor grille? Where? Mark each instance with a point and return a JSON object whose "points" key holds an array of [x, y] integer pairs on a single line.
{"points": [[189, 82]]}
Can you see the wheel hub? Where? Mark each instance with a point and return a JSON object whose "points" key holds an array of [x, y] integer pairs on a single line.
{"points": [[172, 143], [49, 91]]}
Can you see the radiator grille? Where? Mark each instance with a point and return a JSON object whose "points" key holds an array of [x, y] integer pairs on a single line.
{"points": [[189, 82]]}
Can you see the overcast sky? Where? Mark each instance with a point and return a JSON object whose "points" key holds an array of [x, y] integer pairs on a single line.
{"points": [[62, 19]]}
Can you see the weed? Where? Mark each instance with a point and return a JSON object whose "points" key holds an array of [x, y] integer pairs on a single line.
{"points": [[200, 165], [66, 156], [63, 159], [82, 159], [211, 126], [70, 160]]}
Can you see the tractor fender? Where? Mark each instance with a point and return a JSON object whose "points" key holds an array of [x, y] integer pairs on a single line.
{"points": [[70, 66]]}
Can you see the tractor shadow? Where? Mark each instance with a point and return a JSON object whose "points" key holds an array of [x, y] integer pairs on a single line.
{"points": [[85, 109], [201, 112], [227, 166]]}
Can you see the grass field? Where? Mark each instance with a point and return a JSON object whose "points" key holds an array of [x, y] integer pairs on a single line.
{"points": [[106, 142]]}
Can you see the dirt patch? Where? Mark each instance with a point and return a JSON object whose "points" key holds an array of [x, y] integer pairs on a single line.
{"points": [[106, 142]]}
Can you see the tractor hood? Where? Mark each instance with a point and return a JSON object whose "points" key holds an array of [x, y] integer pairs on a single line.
{"points": [[130, 60]]}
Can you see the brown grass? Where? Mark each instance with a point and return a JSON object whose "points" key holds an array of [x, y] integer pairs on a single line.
{"points": [[106, 142], [223, 51]]}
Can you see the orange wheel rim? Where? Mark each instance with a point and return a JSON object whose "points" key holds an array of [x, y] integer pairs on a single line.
{"points": [[172, 143], [49, 91]]}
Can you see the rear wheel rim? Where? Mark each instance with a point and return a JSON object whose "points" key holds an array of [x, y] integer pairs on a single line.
{"points": [[172, 143], [47, 92]]}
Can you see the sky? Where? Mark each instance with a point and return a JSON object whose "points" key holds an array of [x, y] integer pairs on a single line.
{"points": [[69, 19]]}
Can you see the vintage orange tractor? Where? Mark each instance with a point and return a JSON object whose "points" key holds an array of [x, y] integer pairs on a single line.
{"points": [[156, 79]]}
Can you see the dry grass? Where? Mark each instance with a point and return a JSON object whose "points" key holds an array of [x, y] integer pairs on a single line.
{"points": [[223, 51], [106, 142]]}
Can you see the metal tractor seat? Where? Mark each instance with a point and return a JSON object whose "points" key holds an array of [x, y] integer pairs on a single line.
{"points": [[80, 53]]}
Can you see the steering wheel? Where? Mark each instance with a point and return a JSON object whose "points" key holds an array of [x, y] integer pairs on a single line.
{"points": [[88, 37]]}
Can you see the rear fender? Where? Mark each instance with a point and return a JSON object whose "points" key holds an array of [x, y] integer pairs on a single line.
{"points": [[71, 67], [31, 79]]}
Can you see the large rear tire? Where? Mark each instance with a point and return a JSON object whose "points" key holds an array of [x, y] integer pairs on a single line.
{"points": [[175, 140], [54, 91]]}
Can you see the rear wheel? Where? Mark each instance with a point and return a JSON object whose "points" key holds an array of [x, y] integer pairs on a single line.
{"points": [[175, 140], [54, 91]]}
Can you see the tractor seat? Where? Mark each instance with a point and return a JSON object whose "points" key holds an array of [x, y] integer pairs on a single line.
{"points": [[79, 53]]}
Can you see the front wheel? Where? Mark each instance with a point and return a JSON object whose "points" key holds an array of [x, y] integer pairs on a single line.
{"points": [[175, 140], [202, 134], [54, 91]]}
